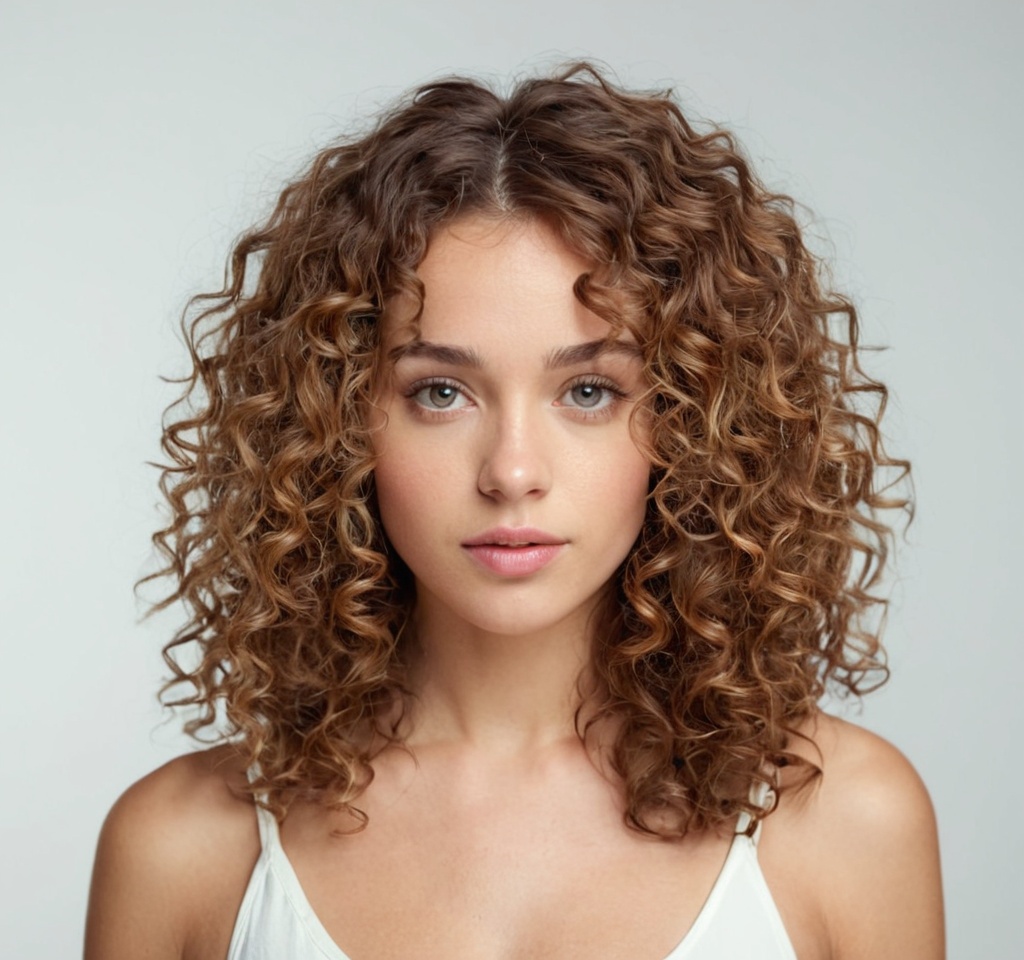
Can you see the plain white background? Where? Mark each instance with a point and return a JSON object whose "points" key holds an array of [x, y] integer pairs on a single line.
{"points": [[138, 141]]}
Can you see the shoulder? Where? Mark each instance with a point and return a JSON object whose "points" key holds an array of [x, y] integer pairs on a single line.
{"points": [[185, 813], [860, 845], [173, 859], [864, 778]]}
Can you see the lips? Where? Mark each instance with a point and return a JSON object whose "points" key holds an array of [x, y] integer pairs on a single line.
{"points": [[513, 537], [514, 551]]}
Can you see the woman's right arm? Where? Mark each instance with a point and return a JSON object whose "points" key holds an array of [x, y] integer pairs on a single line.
{"points": [[172, 863]]}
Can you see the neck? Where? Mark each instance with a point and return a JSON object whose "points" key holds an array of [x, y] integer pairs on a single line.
{"points": [[505, 693]]}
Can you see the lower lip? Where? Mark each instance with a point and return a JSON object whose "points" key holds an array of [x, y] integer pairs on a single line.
{"points": [[514, 561]]}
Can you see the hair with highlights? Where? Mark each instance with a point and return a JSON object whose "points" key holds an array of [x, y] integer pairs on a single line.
{"points": [[752, 586]]}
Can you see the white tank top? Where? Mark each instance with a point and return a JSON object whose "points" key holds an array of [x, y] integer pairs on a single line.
{"points": [[739, 919]]}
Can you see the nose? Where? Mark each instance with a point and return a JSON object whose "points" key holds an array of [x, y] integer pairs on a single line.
{"points": [[516, 460]]}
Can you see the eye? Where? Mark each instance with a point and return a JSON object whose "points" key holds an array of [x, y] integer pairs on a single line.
{"points": [[587, 395], [591, 395], [437, 395]]}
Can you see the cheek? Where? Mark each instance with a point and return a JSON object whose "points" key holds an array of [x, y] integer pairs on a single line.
{"points": [[396, 476], [400, 484], [636, 477], [613, 484], [413, 483], [632, 491], [632, 468]]}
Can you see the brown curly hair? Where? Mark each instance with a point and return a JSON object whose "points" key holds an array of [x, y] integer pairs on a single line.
{"points": [[746, 594]]}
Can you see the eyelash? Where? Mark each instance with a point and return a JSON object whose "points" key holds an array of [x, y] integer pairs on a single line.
{"points": [[602, 383]]}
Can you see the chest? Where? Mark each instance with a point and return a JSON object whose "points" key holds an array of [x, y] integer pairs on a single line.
{"points": [[531, 874]]}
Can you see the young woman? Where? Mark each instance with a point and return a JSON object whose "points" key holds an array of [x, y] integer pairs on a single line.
{"points": [[526, 502]]}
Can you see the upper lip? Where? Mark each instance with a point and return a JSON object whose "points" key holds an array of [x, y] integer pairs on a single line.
{"points": [[511, 537]]}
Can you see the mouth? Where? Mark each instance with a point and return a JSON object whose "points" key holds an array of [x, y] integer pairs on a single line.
{"points": [[514, 553], [514, 537]]}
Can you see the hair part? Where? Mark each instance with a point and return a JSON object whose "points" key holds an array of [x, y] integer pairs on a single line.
{"points": [[752, 587]]}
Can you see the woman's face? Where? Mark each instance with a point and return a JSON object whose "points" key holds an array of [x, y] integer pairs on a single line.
{"points": [[507, 477]]}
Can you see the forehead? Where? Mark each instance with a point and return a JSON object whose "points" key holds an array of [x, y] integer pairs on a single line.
{"points": [[503, 283]]}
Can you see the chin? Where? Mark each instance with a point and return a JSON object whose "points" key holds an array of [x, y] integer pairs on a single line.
{"points": [[516, 614]]}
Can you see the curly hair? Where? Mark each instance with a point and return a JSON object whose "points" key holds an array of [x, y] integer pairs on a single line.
{"points": [[752, 587]]}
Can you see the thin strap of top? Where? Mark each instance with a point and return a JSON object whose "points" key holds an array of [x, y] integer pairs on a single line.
{"points": [[761, 795], [265, 820]]}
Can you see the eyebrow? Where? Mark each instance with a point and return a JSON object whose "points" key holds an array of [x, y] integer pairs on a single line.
{"points": [[440, 352], [561, 357], [591, 350]]}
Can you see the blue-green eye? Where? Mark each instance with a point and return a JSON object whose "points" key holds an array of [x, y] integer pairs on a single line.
{"points": [[441, 395], [588, 395], [591, 395], [438, 395]]}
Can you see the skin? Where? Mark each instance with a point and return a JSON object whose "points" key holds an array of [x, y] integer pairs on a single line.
{"points": [[497, 835]]}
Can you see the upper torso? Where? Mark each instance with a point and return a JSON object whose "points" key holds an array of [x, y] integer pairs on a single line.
{"points": [[739, 918], [498, 863], [509, 866]]}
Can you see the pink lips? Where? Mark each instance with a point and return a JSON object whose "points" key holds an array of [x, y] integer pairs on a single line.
{"points": [[514, 551]]}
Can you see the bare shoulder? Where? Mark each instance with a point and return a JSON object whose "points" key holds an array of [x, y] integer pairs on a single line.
{"points": [[867, 845], [865, 781], [172, 862]]}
